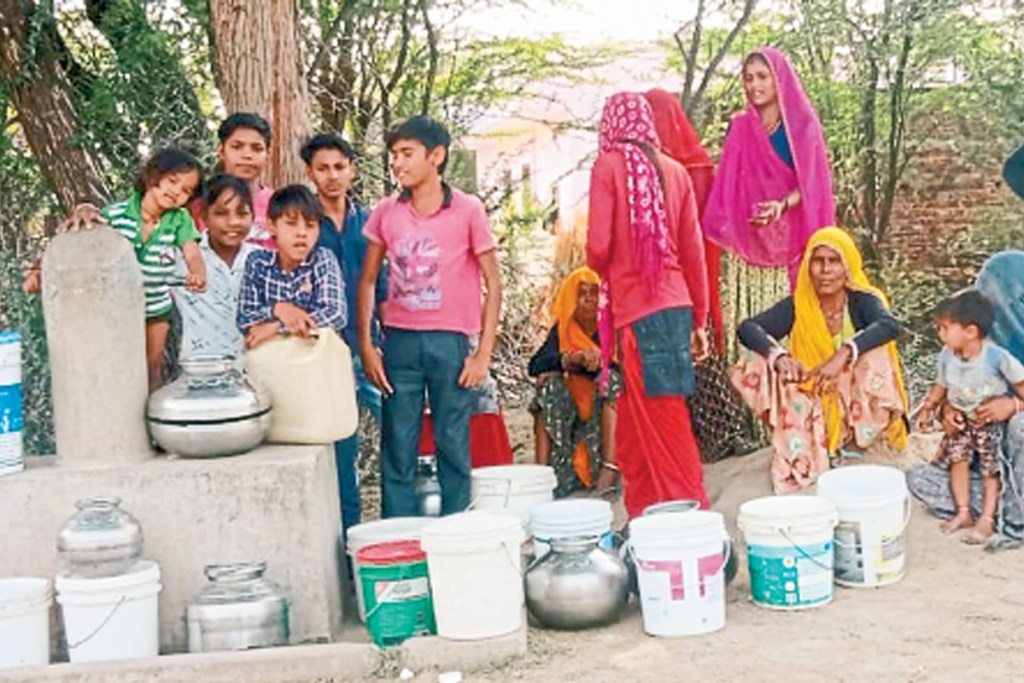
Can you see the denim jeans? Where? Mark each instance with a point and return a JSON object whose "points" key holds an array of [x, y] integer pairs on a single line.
{"points": [[346, 451], [663, 339], [417, 363]]}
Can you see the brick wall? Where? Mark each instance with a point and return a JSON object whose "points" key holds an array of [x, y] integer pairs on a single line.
{"points": [[953, 183]]}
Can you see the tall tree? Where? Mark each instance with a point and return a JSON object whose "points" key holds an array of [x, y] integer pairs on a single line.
{"points": [[32, 70], [258, 68]]}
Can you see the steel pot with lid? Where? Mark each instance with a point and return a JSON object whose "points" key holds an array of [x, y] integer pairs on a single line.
{"points": [[100, 539], [237, 610], [212, 409]]}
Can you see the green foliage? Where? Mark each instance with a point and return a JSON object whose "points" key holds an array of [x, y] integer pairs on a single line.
{"points": [[137, 94], [20, 224]]}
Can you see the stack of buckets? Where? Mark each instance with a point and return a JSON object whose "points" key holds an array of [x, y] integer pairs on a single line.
{"points": [[459, 576], [11, 457]]}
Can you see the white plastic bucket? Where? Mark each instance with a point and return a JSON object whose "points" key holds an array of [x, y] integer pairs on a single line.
{"points": [[569, 518], [475, 564], [680, 560], [24, 622], [11, 411], [789, 550], [874, 507], [113, 617], [380, 531], [515, 488]]}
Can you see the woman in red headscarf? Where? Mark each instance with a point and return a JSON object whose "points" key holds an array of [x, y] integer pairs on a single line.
{"points": [[680, 141], [644, 240]]}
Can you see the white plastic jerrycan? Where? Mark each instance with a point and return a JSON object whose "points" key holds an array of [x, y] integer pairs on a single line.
{"points": [[311, 385]]}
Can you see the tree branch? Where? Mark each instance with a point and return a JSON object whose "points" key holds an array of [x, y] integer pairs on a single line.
{"points": [[428, 89], [723, 50]]}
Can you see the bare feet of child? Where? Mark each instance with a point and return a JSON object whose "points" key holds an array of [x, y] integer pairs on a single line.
{"points": [[981, 532], [961, 520]]}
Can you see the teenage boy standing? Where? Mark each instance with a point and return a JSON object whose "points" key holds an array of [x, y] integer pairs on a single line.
{"points": [[331, 167], [438, 243]]}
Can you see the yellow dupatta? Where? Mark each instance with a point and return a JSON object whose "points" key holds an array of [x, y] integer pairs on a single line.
{"points": [[812, 344], [572, 337]]}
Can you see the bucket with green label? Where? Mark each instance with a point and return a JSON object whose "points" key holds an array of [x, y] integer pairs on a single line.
{"points": [[396, 591], [790, 550]]}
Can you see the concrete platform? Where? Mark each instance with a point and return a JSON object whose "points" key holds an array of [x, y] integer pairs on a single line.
{"points": [[301, 664], [277, 504]]}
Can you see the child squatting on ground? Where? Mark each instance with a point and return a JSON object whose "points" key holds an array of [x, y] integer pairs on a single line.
{"points": [[154, 221], [297, 289], [971, 369]]}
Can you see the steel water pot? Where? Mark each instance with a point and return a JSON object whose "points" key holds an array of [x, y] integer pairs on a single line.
{"points": [[212, 409], [237, 610], [576, 585], [101, 539]]}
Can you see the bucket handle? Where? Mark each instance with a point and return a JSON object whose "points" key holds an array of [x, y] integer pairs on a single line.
{"points": [[727, 545], [785, 534], [907, 507], [106, 620]]}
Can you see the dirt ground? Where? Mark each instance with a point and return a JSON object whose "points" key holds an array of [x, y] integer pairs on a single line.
{"points": [[958, 615]]}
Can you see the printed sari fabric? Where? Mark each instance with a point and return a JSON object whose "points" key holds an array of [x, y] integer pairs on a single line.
{"points": [[868, 394], [750, 171]]}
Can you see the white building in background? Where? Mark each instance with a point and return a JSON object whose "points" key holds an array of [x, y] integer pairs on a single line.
{"points": [[550, 136]]}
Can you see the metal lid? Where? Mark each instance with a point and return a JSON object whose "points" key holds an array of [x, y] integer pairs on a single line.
{"points": [[211, 390]]}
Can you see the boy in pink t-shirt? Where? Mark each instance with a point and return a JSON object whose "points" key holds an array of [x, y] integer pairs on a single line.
{"points": [[438, 243]]}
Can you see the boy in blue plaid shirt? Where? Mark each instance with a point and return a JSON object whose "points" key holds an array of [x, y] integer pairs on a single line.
{"points": [[298, 288]]}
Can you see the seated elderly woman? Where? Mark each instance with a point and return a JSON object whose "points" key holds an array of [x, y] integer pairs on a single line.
{"points": [[839, 383], [574, 423], [1001, 280]]}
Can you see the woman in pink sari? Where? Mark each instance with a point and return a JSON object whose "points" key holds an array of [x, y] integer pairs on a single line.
{"points": [[773, 187]]}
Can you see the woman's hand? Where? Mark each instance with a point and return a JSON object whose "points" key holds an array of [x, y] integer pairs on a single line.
{"points": [[826, 375], [790, 370], [999, 409], [953, 421], [590, 360], [768, 212], [699, 345]]}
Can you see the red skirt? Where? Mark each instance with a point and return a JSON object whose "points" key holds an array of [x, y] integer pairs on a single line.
{"points": [[654, 441]]}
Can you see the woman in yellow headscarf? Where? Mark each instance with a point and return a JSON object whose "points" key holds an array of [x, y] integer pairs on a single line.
{"points": [[574, 423], [839, 384]]}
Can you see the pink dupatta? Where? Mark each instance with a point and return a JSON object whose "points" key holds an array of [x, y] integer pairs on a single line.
{"points": [[751, 171]]}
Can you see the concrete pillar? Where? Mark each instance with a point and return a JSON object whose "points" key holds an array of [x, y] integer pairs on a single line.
{"points": [[94, 309]]}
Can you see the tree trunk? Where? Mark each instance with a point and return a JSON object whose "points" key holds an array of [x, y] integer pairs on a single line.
{"points": [[259, 69], [44, 100]]}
